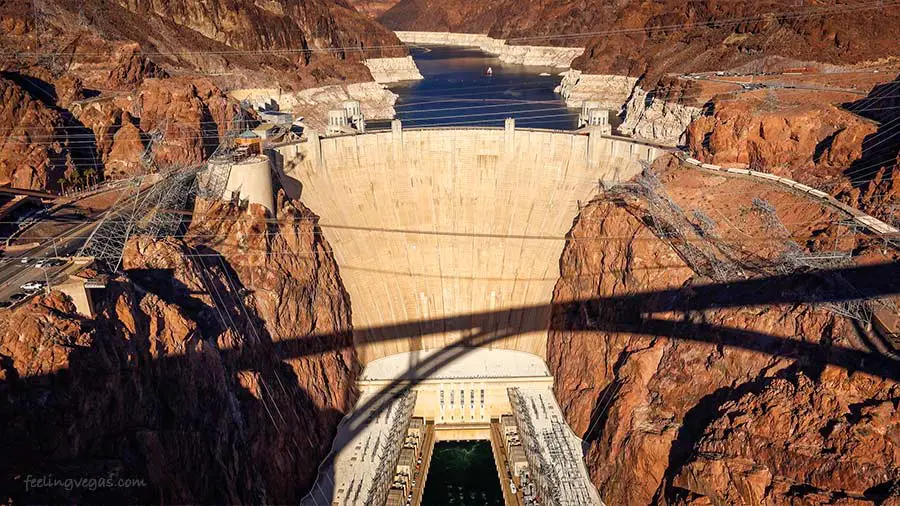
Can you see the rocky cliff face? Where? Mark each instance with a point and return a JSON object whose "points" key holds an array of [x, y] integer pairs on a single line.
{"points": [[819, 138], [636, 41], [68, 53], [823, 441], [191, 114], [657, 119], [35, 150], [373, 8], [709, 406], [215, 371], [798, 143]]}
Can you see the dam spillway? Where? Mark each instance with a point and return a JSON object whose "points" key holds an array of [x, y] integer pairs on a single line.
{"points": [[440, 231]]}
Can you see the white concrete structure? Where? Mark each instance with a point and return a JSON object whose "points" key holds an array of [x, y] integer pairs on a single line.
{"points": [[351, 107], [360, 469], [461, 396], [552, 449], [251, 180], [446, 237], [470, 389], [439, 231], [596, 118]]}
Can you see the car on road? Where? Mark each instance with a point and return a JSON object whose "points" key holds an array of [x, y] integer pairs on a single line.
{"points": [[40, 264], [24, 260], [5, 304], [16, 297], [32, 286]]}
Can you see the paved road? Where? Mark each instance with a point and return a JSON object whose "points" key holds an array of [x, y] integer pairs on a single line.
{"points": [[774, 84], [13, 273]]}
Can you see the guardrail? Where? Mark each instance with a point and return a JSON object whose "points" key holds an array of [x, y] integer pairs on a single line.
{"points": [[491, 128], [870, 223]]}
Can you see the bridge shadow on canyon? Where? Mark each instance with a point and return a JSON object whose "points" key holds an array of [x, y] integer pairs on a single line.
{"points": [[647, 314]]}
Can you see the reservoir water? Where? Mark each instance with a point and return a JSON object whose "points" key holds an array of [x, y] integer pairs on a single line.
{"points": [[462, 473], [456, 92]]}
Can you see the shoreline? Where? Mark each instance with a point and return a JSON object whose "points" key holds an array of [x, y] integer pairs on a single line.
{"points": [[542, 56]]}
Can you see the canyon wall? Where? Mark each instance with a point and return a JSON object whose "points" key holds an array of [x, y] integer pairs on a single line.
{"points": [[799, 142], [516, 54], [36, 150], [107, 59], [655, 119], [440, 231], [216, 370], [605, 91], [706, 406], [632, 38]]}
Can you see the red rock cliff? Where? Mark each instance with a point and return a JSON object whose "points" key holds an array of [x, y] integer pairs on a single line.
{"points": [[636, 37], [673, 410], [216, 370]]}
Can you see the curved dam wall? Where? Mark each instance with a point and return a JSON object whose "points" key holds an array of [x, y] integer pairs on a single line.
{"points": [[442, 229]]}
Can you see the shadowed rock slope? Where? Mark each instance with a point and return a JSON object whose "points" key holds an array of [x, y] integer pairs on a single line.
{"points": [[193, 375]]}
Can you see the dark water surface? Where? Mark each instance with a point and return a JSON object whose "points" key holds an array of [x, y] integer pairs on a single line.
{"points": [[462, 473], [455, 92]]}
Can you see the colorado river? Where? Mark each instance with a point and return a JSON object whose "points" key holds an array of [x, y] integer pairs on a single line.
{"points": [[462, 473], [456, 92]]}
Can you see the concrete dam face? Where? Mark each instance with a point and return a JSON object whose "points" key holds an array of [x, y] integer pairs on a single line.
{"points": [[448, 233]]}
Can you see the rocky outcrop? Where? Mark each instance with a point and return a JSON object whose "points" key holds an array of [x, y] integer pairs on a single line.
{"points": [[393, 70], [834, 440], [547, 56], [604, 91], [115, 44], [131, 68], [35, 147], [124, 157], [191, 114], [810, 144], [706, 406], [657, 120], [313, 104], [216, 371]]}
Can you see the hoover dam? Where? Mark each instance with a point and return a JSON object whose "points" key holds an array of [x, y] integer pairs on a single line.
{"points": [[435, 225], [450, 239]]}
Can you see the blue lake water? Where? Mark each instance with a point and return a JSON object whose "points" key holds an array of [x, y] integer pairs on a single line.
{"points": [[455, 92]]}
